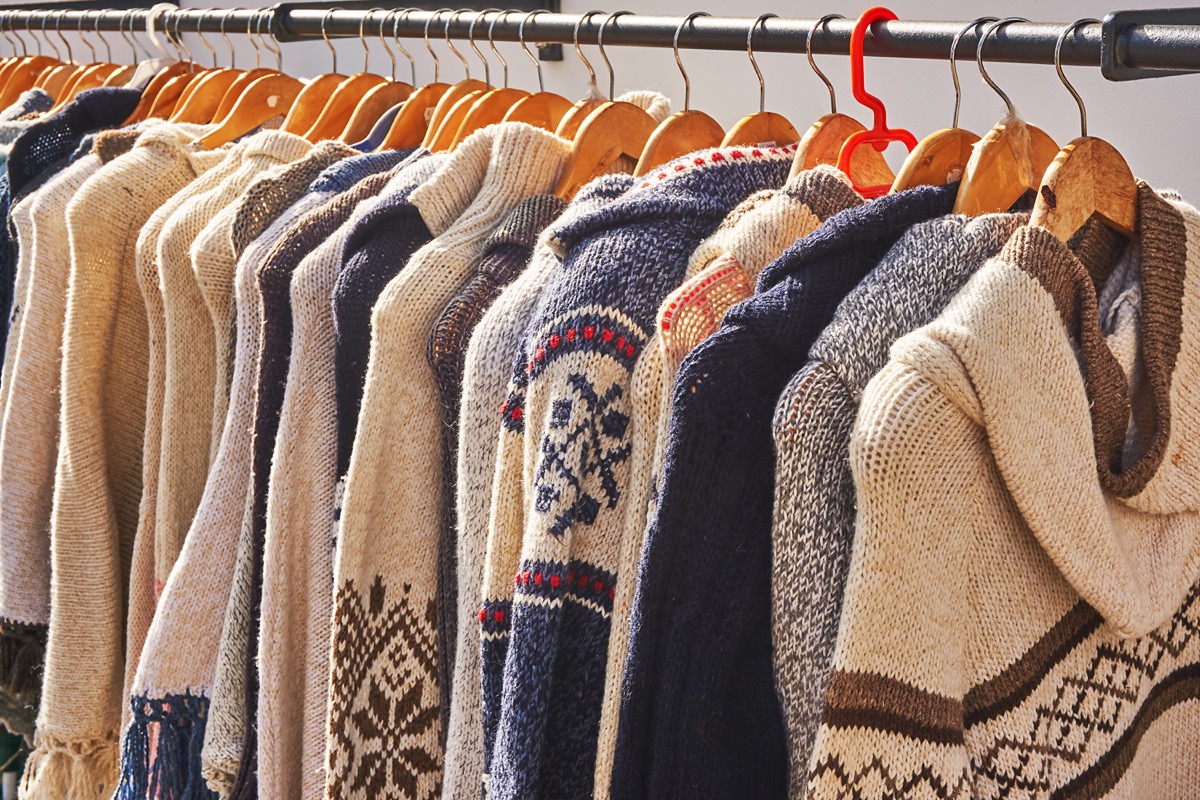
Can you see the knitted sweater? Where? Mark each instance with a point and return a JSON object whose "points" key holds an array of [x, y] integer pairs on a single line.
{"points": [[505, 256], [720, 272], [570, 402], [1030, 625], [43, 149], [314, 241], [29, 439], [493, 348], [98, 475], [297, 573], [699, 707], [386, 588], [814, 493]]}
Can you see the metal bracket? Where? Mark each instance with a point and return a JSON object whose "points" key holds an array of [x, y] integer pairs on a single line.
{"points": [[1120, 26]]}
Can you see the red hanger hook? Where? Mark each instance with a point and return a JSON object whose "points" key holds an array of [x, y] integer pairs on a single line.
{"points": [[879, 135]]}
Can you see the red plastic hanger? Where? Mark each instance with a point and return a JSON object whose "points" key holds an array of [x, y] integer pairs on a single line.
{"points": [[879, 134]]}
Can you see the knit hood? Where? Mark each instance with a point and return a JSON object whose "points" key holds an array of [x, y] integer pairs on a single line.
{"points": [[1106, 478]]}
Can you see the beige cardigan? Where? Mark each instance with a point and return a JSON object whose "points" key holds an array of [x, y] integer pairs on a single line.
{"points": [[1022, 614]]}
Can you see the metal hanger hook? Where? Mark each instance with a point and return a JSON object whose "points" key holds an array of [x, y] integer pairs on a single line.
{"points": [[502, 15], [4, 18], [528, 52], [579, 51], [57, 52], [84, 39], [970, 26], [103, 39], [487, 68], [687, 83], [16, 34], [446, 32], [382, 40], [362, 38], [436, 63], [178, 17], [762, 84], [612, 76], [1062, 76], [325, 35], [412, 62], [1000, 23], [813, 63], [273, 45], [256, 45], [225, 36], [200, 35], [58, 20], [132, 39]]}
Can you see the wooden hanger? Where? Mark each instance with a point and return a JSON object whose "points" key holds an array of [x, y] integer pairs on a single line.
{"points": [[541, 109], [411, 125], [879, 134], [341, 105], [450, 100], [613, 130], [266, 98], [573, 119], [443, 138], [1008, 161], [1087, 179], [764, 127], [202, 98], [90, 75], [942, 156], [491, 106], [125, 72], [54, 79], [685, 131], [166, 87], [822, 143], [377, 101]]}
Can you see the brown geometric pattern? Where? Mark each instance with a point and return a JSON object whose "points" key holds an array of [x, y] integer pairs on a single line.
{"points": [[384, 713]]}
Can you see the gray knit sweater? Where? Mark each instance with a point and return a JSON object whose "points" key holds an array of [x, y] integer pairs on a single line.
{"points": [[814, 512]]}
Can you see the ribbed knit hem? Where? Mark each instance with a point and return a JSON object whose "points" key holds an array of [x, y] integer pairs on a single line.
{"points": [[84, 769], [160, 756]]}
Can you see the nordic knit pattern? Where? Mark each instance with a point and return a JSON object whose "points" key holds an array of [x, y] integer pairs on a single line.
{"points": [[720, 272], [314, 244], [297, 583], [494, 346], [29, 440], [699, 711], [1030, 627], [505, 256], [98, 476], [570, 397], [813, 524], [386, 615]]}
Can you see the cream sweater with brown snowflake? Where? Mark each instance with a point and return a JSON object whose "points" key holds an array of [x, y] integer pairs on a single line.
{"points": [[1022, 614]]}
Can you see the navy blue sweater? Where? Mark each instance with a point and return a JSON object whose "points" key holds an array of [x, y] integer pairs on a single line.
{"points": [[699, 713]]}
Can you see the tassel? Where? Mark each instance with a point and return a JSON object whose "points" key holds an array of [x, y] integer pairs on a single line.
{"points": [[173, 728], [59, 769]]}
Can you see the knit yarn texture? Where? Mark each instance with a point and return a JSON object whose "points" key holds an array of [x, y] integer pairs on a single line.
{"points": [[1030, 625], [386, 613], [570, 402], [699, 712], [813, 524], [98, 476], [720, 272], [493, 349]]}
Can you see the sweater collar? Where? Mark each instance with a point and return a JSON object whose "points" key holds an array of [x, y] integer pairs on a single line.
{"points": [[526, 222], [1116, 519], [512, 160]]}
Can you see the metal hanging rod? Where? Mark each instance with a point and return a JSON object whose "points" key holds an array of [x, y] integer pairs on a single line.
{"points": [[1127, 45]]}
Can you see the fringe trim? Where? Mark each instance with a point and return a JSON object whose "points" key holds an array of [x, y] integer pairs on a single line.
{"points": [[160, 759], [79, 770]]}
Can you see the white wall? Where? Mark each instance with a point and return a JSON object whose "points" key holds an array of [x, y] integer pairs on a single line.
{"points": [[1152, 122]]}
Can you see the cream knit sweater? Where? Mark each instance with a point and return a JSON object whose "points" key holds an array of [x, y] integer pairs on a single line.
{"points": [[387, 559], [297, 591], [721, 272], [1023, 604], [98, 476]]}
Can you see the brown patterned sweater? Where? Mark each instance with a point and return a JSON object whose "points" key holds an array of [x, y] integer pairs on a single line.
{"points": [[1022, 611]]}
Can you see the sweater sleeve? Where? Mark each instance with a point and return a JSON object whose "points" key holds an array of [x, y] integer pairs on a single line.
{"points": [[812, 531], [892, 713]]}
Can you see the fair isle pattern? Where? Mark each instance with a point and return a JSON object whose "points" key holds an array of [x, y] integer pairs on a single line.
{"points": [[706, 158], [383, 696]]}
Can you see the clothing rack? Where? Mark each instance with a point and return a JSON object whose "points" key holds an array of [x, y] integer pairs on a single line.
{"points": [[1127, 45]]}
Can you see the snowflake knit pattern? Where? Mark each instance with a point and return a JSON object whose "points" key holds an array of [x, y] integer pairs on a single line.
{"points": [[570, 397]]}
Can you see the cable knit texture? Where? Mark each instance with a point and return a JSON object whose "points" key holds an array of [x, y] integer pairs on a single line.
{"points": [[98, 475], [720, 273], [286, 674], [699, 711], [570, 400], [505, 256], [813, 523], [493, 349], [386, 616], [1031, 624]]}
